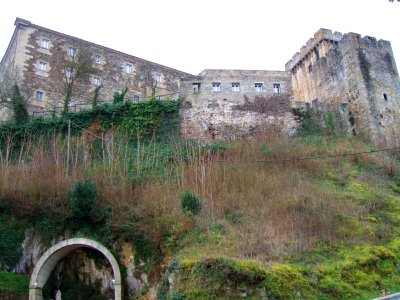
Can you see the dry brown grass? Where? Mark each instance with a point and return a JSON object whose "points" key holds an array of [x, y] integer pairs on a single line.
{"points": [[270, 208]]}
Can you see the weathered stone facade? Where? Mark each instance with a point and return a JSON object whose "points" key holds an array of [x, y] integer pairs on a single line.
{"points": [[227, 104], [331, 69], [39, 56], [346, 68]]}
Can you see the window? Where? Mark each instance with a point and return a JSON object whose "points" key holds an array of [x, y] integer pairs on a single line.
{"points": [[158, 78], [39, 96], [96, 80], [259, 87], [309, 68], [216, 87], [71, 51], [316, 54], [385, 97], [235, 87], [128, 68], [44, 43], [97, 59], [42, 66], [196, 87], [158, 97], [136, 98], [277, 88], [69, 73]]}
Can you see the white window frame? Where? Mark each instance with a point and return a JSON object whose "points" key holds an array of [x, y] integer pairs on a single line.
{"points": [[71, 51], [277, 88], [216, 86], [159, 97], [39, 96], [97, 59], [42, 66], [158, 78], [259, 87], [96, 80], [45, 43], [236, 87], [128, 68], [69, 73]]}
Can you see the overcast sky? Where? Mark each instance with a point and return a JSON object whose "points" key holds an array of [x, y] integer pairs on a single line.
{"points": [[207, 34]]}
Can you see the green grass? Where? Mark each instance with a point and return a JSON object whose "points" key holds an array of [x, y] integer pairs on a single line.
{"points": [[12, 282]]}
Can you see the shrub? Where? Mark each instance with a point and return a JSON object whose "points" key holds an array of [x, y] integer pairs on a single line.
{"points": [[83, 200], [190, 203], [19, 106]]}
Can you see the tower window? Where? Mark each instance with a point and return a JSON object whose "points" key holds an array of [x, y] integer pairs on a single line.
{"points": [[385, 97]]}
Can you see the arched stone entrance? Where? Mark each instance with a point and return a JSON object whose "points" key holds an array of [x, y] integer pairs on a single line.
{"points": [[51, 257]]}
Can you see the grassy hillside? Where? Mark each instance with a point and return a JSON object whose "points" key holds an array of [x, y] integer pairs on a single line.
{"points": [[272, 223]]}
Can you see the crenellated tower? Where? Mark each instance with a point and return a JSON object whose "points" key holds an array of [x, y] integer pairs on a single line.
{"points": [[359, 71]]}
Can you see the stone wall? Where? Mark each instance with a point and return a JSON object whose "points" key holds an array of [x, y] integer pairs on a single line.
{"points": [[337, 68], [26, 52], [211, 113]]}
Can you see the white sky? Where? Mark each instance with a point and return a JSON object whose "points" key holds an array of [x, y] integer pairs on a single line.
{"points": [[193, 35]]}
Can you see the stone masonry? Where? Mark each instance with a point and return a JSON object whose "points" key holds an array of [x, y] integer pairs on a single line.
{"points": [[354, 76], [39, 54], [227, 104], [359, 71]]}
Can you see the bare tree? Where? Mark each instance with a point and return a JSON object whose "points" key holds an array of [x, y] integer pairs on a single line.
{"points": [[8, 79], [147, 78], [78, 66], [14, 94]]}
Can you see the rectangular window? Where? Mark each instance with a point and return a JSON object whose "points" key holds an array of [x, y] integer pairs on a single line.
{"points": [[309, 68], [69, 73], [216, 87], [42, 66], [128, 68], [277, 88], [235, 87], [96, 80], [97, 59], [136, 98], [196, 87], [158, 78], [44, 43], [158, 97], [71, 51], [258, 87], [39, 96]]}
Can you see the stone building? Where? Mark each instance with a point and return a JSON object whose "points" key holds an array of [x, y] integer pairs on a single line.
{"points": [[40, 57], [227, 104], [360, 71], [355, 77]]}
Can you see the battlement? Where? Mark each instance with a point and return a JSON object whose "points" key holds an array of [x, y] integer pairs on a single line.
{"points": [[326, 35], [320, 36]]}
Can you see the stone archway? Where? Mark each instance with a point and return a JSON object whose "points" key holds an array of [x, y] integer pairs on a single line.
{"points": [[51, 257]]}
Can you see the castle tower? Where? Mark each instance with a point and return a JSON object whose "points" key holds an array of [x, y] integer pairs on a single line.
{"points": [[359, 71]]}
